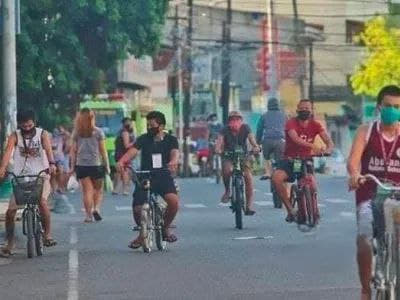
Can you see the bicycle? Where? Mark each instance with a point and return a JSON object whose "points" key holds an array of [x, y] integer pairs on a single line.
{"points": [[151, 226], [303, 193], [386, 240], [238, 199], [275, 197], [28, 193]]}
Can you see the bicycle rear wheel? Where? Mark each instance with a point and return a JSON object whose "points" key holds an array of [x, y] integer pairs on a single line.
{"points": [[217, 170], [38, 236], [293, 195], [29, 232]]}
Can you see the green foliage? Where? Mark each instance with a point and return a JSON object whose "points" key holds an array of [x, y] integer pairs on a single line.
{"points": [[67, 46], [382, 63]]}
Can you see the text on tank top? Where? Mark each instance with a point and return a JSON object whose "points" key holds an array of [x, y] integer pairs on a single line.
{"points": [[29, 155], [381, 158]]}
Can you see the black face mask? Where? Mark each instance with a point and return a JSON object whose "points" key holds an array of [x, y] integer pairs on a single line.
{"points": [[128, 127], [28, 132], [153, 131], [303, 115]]}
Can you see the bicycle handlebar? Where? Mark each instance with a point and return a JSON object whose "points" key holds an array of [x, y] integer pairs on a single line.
{"points": [[379, 183]]}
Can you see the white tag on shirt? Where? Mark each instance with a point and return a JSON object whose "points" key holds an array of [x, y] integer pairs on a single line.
{"points": [[157, 161]]}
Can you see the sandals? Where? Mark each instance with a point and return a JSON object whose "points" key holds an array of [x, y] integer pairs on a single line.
{"points": [[49, 242], [136, 243], [96, 215], [249, 212], [171, 238], [88, 220], [5, 253], [225, 198]]}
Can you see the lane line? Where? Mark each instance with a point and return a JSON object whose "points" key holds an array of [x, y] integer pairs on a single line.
{"points": [[268, 194], [123, 208], [336, 200], [321, 205], [73, 275], [195, 205], [245, 238], [72, 210], [73, 267], [263, 203], [224, 204], [347, 214]]}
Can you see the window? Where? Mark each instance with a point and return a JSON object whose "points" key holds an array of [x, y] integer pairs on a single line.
{"points": [[353, 29]]}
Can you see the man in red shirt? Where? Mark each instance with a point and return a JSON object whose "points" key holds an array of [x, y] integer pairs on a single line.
{"points": [[300, 134]]}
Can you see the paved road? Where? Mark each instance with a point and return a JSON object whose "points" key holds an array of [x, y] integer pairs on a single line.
{"points": [[211, 260]]}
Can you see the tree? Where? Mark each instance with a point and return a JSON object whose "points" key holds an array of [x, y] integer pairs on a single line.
{"points": [[67, 47], [382, 63]]}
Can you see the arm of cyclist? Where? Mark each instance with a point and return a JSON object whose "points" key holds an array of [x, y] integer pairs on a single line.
{"points": [[49, 152], [11, 142], [125, 140], [174, 161], [219, 145], [253, 143], [104, 155], [128, 156], [298, 140], [328, 141], [354, 161]]}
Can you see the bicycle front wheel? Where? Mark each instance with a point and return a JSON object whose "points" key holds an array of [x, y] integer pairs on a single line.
{"points": [[309, 201], [238, 203], [29, 232], [217, 171], [146, 230], [38, 236]]}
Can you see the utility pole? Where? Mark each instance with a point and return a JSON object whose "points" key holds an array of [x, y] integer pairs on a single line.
{"points": [[9, 74], [273, 81], [311, 75], [174, 78], [296, 37], [188, 89], [226, 63]]}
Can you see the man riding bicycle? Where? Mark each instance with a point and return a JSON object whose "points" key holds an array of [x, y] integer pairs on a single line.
{"points": [[237, 134], [159, 150], [31, 151], [300, 133], [376, 151]]}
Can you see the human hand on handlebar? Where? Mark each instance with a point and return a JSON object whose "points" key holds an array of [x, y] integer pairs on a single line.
{"points": [[355, 181]]}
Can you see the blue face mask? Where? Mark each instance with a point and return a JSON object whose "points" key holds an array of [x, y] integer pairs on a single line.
{"points": [[390, 115]]}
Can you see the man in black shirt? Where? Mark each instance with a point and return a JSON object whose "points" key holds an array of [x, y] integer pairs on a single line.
{"points": [[159, 151], [237, 134]]}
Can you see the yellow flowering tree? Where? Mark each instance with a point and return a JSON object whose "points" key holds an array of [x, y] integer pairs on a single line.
{"points": [[381, 65]]}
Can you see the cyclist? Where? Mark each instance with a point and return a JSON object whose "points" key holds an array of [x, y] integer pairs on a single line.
{"points": [[237, 134], [375, 150], [158, 150], [125, 140], [30, 149], [271, 134], [300, 133]]}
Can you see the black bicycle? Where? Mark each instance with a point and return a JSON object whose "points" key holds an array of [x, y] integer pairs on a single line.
{"points": [[151, 226], [215, 163], [28, 193], [238, 199]]}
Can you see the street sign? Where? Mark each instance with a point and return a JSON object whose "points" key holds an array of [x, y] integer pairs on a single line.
{"points": [[17, 17]]}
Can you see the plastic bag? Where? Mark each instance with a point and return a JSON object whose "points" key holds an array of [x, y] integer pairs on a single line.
{"points": [[108, 184], [73, 183]]}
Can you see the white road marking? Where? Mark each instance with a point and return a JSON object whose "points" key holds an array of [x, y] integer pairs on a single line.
{"points": [[244, 238], [256, 190], [321, 205], [195, 205], [264, 203], [73, 236], [72, 210], [122, 208], [268, 194], [224, 204], [336, 200], [347, 214], [73, 267]]}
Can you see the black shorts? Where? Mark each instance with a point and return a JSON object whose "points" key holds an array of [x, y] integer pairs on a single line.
{"points": [[286, 165], [161, 184], [94, 172]]}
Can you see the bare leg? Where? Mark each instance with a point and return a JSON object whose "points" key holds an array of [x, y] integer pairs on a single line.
{"points": [[97, 194], [267, 168], [87, 191], [46, 218], [10, 228], [248, 178], [279, 179], [126, 179], [172, 209], [226, 175], [364, 259]]}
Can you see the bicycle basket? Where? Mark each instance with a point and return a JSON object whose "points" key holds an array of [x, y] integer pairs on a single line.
{"points": [[28, 192]]}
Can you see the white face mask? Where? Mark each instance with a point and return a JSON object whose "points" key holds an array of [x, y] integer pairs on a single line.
{"points": [[214, 122]]}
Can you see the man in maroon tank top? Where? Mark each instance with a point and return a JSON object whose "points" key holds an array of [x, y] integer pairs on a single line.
{"points": [[375, 150]]}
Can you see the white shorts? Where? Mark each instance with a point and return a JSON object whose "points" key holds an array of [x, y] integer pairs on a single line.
{"points": [[364, 220]]}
